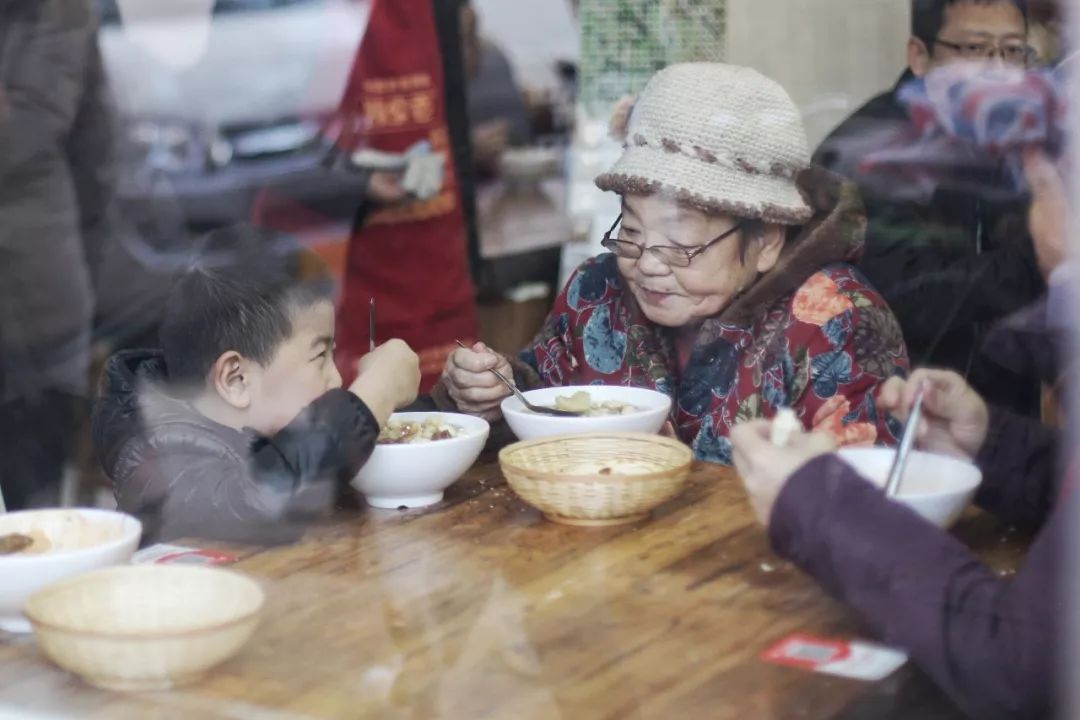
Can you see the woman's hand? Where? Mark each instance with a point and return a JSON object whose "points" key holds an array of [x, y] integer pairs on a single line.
{"points": [[385, 188], [1048, 215], [954, 419], [489, 142], [471, 384], [765, 468], [620, 117]]}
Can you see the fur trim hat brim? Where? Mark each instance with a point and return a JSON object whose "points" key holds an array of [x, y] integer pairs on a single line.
{"points": [[707, 186]]}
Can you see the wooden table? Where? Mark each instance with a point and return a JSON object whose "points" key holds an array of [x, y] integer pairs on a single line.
{"points": [[478, 608]]}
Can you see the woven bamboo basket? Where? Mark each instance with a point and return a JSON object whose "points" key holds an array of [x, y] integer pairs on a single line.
{"points": [[145, 627], [599, 478]]}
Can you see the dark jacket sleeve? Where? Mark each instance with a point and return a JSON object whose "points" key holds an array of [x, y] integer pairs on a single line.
{"points": [[986, 641], [332, 438], [926, 269], [188, 483], [1019, 462], [926, 286], [90, 154]]}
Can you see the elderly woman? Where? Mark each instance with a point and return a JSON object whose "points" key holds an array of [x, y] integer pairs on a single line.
{"points": [[726, 285]]}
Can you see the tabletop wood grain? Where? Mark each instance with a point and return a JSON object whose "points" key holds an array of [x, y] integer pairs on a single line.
{"points": [[479, 608]]}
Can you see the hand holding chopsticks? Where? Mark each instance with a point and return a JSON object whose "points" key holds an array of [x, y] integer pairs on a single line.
{"points": [[953, 419], [907, 442]]}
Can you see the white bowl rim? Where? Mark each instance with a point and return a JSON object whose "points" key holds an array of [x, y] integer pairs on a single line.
{"points": [[508, 401], [144, 635], [483, 429], [950, 460], [124, 538]]}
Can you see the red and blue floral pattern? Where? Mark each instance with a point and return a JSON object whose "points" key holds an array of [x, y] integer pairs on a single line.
{"points": [[822, 350]]}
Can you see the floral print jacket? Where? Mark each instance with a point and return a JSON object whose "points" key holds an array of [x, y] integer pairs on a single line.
{"points": [[822, 350]]}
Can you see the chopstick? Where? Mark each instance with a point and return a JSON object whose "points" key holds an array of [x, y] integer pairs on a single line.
{"points": [[371, 326], [907, 441]]}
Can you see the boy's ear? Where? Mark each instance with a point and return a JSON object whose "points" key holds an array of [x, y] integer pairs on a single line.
{"points": [[228, 380]]}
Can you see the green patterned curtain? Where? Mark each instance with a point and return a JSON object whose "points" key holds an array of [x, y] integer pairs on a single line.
{"points": [[623, 42]]}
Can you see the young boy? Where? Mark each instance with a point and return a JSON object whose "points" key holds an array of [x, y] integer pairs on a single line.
{"points": [[239, 426]]}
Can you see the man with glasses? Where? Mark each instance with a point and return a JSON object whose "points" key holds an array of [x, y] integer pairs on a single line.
{"points": [[954, 257]]}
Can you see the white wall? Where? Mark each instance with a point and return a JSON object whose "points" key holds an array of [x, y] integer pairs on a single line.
{"points": [[830, 55], [533, 34]]}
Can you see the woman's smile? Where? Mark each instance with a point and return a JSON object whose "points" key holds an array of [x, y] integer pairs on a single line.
{"points": [[655, 297]]}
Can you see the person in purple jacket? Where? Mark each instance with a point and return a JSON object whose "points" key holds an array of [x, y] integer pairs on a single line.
{"points": [[990, 643]]}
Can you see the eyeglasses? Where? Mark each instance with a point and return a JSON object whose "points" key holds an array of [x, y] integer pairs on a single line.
{"points": [[1012, 53], [671, 255]]}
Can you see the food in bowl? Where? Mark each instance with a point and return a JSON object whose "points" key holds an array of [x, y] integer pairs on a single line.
{"points": [[652, 409], [784, 425], [432, 428], [937, 487], [597, 478], [583, 404], [413, 474], [33, 542], [610, 467], [64, 542]]}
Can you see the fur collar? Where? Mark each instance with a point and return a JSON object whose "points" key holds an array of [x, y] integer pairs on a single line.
{"points": [[834, 234]]}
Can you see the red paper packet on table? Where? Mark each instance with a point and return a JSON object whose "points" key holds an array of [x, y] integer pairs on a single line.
{"points": [[844, 658], [178, 555]]}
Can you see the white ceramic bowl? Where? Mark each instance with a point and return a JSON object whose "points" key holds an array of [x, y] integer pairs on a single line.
{"points": [[81, 540], [935, 486], [414, 475], [529, 163], [655, 407], [145, 627]]}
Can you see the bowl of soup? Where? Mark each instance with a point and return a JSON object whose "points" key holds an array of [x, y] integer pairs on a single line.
{"points": [[937, 487], [419, 455], [40, 547], [601, 408]]}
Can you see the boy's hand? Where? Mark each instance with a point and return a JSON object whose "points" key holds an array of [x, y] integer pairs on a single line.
{"points": [[389, 378]]}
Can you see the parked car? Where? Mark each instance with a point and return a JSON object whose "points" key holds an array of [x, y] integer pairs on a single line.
{"points": [[219, 99]]}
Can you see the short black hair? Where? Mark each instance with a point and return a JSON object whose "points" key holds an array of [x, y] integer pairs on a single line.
{"points": [[927, 16], [238, 294]]}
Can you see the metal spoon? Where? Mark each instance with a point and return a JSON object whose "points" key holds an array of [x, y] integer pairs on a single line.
{"points": [[541, 409], [907, 441]]}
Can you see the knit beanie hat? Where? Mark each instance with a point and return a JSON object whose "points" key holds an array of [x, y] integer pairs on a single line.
{"points": [[719, 138]]}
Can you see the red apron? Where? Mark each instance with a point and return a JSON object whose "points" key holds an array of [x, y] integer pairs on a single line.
{"points": [[413, 258]]}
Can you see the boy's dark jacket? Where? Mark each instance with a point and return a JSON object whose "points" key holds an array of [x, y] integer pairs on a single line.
{"points": [[185, 475]]}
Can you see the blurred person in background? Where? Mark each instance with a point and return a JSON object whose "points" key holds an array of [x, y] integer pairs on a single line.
{"points": [[954, 257], [55, 184], [498, 115], [414, 256], [1046, 30]]}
